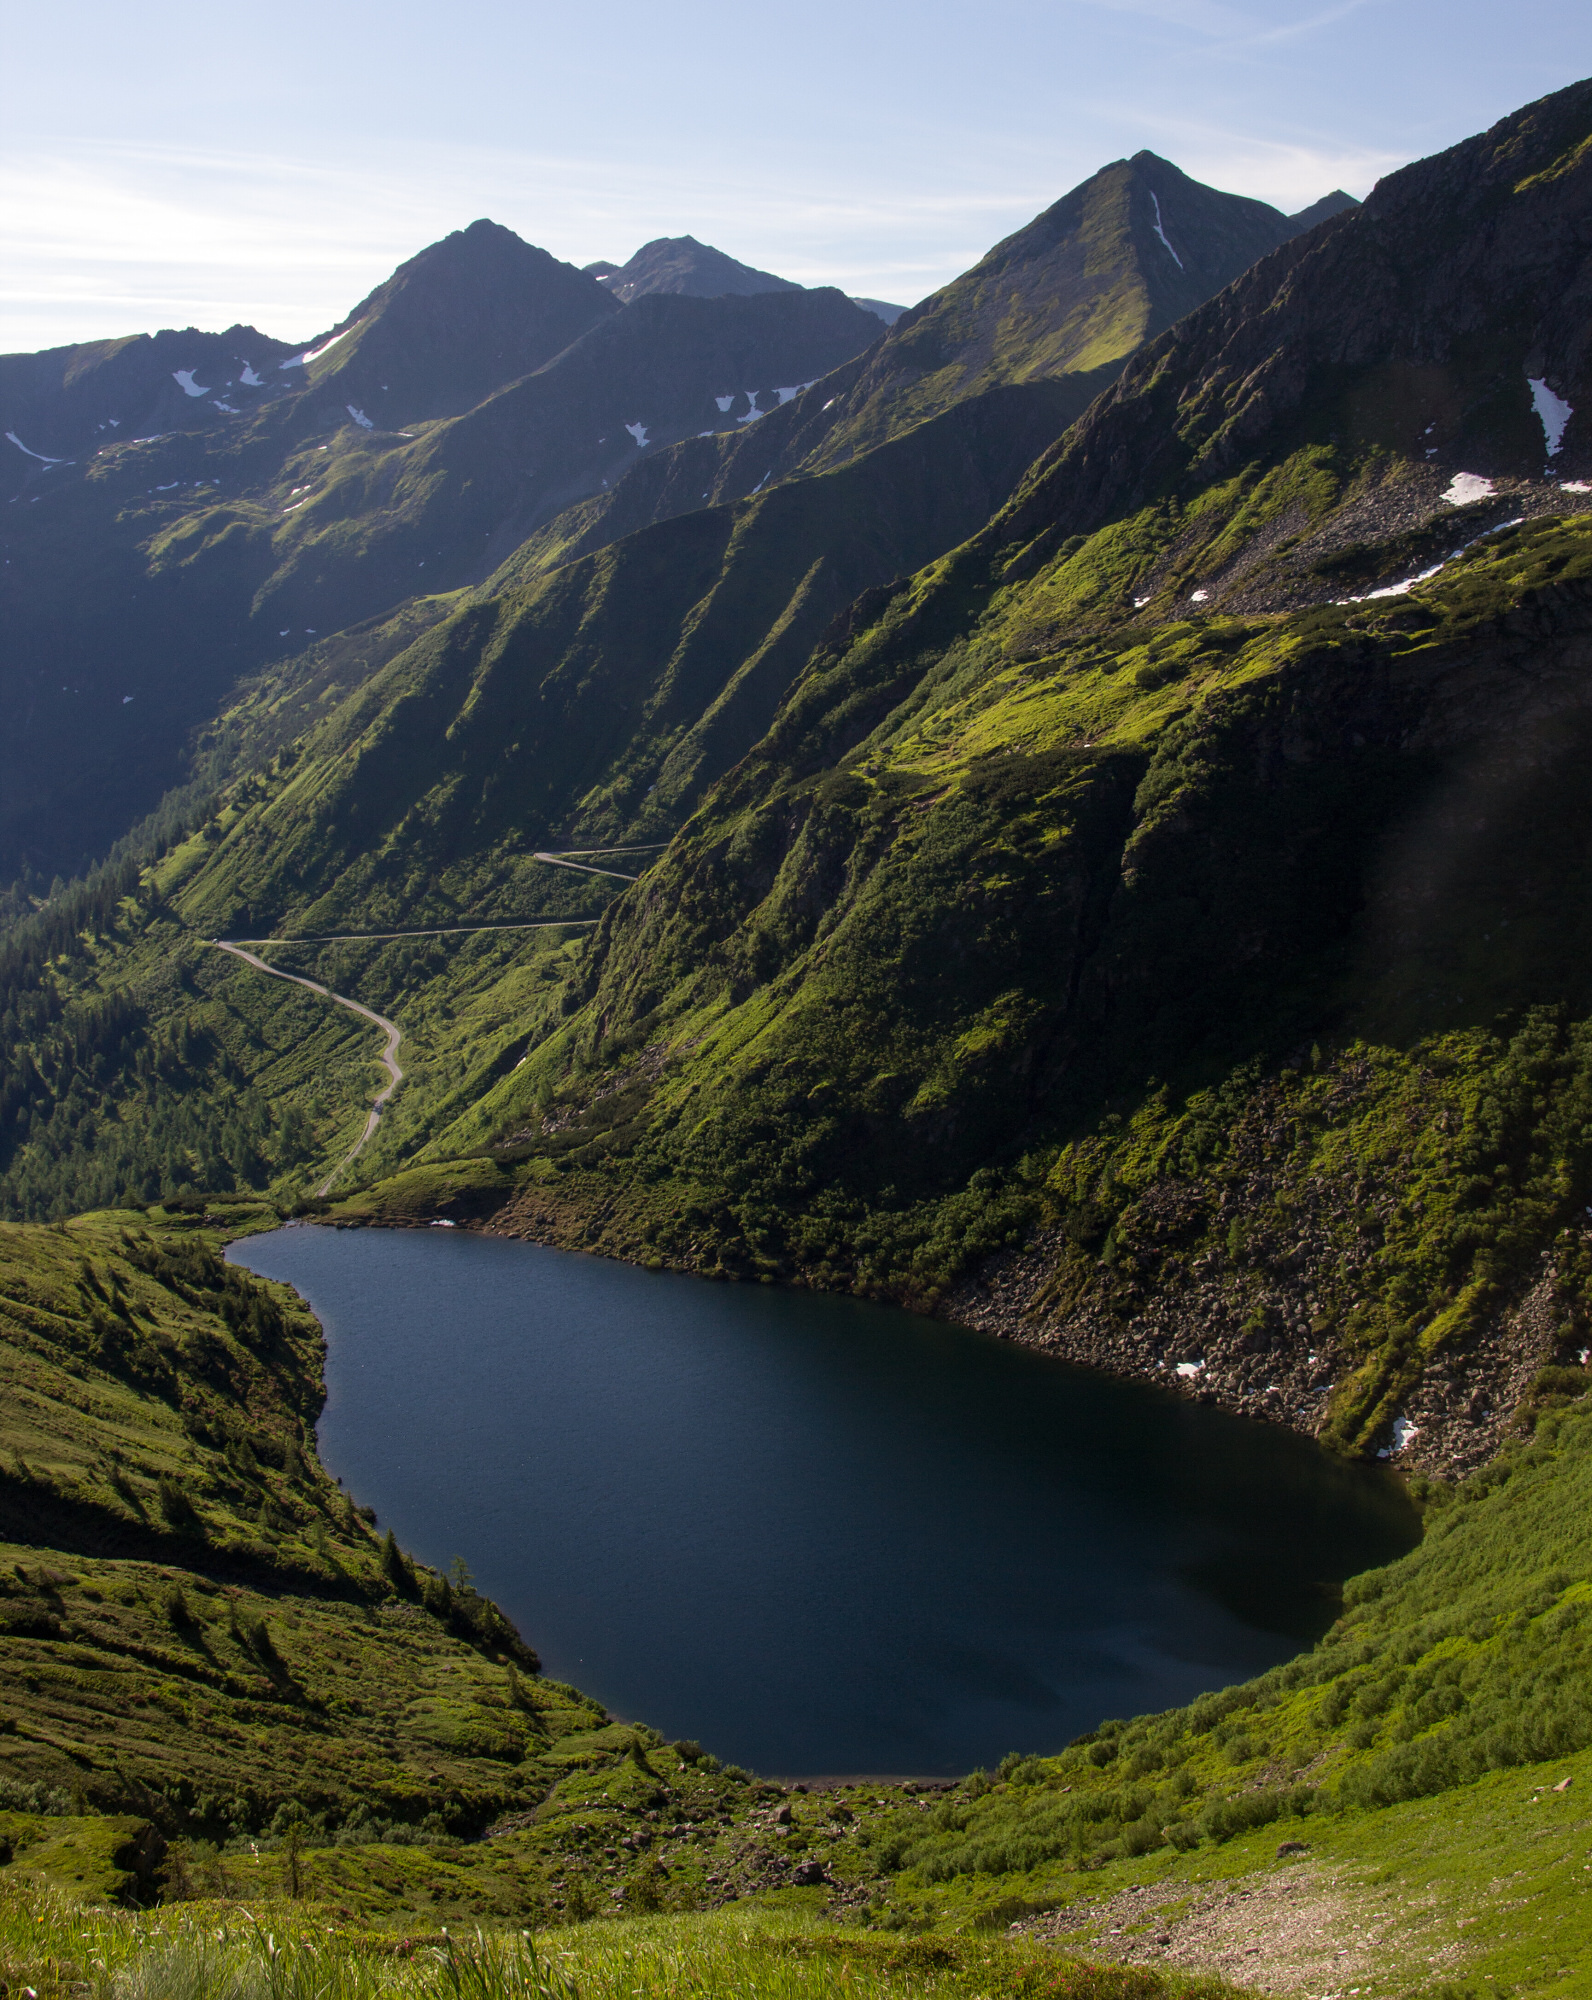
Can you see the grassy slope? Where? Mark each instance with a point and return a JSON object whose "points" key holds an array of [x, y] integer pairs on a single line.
{"points": [[1068, 858], [311, 1950], [602, 698]]}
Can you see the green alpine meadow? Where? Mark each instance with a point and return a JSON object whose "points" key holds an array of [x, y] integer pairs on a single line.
{"points": [[1063, 808]]}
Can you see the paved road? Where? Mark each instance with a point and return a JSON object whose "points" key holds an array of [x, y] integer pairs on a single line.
{"points": [[561, 861], [376, 937], [389, 1054]]}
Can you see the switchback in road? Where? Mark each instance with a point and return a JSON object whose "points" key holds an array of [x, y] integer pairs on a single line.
{"points": [[389, 1054]]}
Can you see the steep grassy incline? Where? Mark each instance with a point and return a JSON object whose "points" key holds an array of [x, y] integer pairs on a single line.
{"points": [[595, 704], [195, 1622], [1142, 952]]}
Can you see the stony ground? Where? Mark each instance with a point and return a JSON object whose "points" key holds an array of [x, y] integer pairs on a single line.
{"points": [[1307, 1929]]}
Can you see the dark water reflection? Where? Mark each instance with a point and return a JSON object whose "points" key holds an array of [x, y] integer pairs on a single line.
{"points": [[819, 1535]]}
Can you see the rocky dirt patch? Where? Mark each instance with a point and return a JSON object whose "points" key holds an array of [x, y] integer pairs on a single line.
{"points": [[1305, 1929]]}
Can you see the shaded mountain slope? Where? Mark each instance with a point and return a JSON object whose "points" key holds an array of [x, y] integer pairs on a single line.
{"points": [[143, 583], [467, 315], [67, 402], [881, 308], [601, 700], [272, 504]]}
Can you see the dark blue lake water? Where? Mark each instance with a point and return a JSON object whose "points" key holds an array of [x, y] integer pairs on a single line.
{"points": [[820, 1536]]}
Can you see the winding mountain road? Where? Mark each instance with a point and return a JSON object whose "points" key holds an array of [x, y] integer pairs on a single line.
{"points": [[389, 1054]]}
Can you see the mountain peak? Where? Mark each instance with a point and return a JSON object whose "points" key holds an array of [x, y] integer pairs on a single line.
{"points": [[1336, 203], [479, 308], [681, 264]]}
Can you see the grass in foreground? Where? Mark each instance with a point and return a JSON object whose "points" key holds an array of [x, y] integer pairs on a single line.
{"points": [[285, 1952]]}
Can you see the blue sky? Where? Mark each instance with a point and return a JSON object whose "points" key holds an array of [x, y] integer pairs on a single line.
{"points": [[168, 165]]}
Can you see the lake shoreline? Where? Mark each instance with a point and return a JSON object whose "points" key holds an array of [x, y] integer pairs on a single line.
{"points": [[1005, 1520]]}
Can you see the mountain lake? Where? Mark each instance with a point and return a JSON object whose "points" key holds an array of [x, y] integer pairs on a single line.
{"points": [[822, 1537]]}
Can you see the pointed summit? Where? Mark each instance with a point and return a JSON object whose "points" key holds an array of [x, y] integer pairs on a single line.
{"points": [[477, 310], [1070, 295], [1336, 203]]}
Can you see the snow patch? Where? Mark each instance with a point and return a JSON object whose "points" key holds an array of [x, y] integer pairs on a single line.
{"points": [[126, 698], [1189, 1369], [359, 417], [724, 402], [1553, 410], [752, 411], [183, 377], [1200, 597], [442, 1222], [1465, 487], [639, 433], [39, 455], [249, 379], [170, 483], [1565, 485], [1409, 583], [1395, 589], [789, 395], [1139, 603], [315, 353], [830, 404], [1404, 1433], [230, 408], [1176, 259]]}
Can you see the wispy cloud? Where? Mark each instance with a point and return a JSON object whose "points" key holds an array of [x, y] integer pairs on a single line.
{"points": [[104, 240], [1233, 26]]}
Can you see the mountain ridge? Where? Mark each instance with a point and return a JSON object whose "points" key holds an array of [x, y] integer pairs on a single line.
{"points": [[203, 538]]}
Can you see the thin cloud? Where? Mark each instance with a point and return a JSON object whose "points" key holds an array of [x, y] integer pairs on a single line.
{"points": [[108, 238]]}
